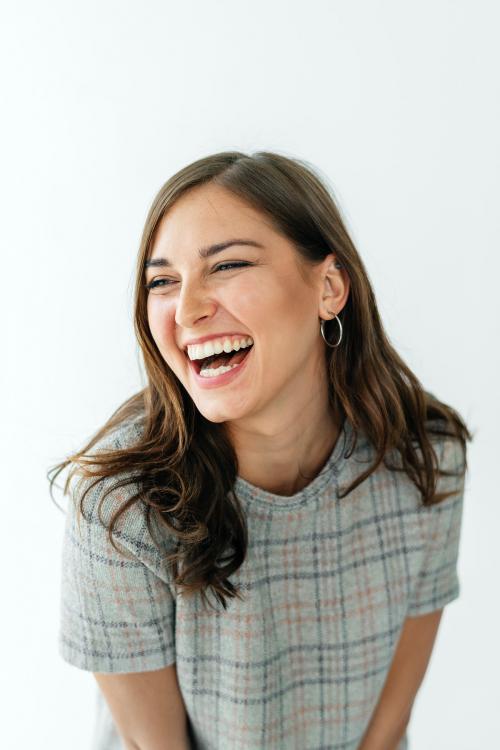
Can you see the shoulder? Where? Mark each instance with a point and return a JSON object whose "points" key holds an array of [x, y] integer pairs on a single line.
{"points": [[441, 520], [390, 477], [122, 436], [96, 490], [116, 502], [451, 456]]}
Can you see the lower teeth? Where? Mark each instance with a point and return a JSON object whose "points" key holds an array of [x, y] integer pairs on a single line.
{"points": [[210, 373]]}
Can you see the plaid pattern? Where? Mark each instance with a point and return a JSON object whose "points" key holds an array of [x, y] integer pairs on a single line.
{"points": [[327, 583]]}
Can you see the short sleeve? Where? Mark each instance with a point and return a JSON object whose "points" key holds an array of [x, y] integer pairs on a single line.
{"points": [[117, 611], [438, 583]]}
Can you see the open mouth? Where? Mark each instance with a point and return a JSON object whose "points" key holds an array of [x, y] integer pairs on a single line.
{"points": [[220, 360]]}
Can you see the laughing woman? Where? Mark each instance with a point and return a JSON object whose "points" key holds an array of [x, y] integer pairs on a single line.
{"points": [[259, 544]]}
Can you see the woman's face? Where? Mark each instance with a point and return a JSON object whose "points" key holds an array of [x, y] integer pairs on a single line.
{"points": [[266, 298]]}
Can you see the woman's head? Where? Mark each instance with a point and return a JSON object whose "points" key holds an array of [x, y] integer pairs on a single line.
{"points": [[299, 275], [184, 463], [269, 290]]}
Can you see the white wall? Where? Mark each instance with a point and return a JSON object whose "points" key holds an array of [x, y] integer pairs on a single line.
{"points": [[396, 103]]}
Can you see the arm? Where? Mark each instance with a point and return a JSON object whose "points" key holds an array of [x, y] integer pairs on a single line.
{"points": [[118, 617], [392, 712], [147, 708]]}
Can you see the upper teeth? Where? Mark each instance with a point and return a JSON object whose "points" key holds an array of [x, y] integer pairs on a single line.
{"points": [[216, 346]]}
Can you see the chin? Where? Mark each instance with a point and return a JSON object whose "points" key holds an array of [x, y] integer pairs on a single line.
{"points": [[217, 416], [217, 413]]}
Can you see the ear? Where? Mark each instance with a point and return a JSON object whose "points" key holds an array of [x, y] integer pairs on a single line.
{"points": [[334, 287]]}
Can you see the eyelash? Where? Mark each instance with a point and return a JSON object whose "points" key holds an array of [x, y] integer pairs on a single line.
{"points": [[237, 264]]}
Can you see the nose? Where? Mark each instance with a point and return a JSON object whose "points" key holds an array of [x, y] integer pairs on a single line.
{"points": [[193, 304]]}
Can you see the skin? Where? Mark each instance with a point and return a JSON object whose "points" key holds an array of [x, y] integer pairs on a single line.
{"points": [[411, 659], [276, 411]]}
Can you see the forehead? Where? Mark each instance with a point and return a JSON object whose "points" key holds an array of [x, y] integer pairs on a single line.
{"points": [[207, 214]]}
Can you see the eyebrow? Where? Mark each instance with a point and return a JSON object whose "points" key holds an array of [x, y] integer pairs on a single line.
{"points": [[205, 252]]}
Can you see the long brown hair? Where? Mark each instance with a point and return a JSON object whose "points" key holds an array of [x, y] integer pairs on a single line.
{"points": [[184, 466]]}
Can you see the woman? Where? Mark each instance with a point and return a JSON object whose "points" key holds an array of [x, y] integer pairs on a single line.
{"points": [[261, 541]]}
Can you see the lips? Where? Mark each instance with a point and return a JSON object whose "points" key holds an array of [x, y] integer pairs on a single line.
{"points": [[214, 336], [197, 363]]}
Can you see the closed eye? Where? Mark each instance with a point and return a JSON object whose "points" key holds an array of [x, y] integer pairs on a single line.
{"points": [[236, 264]]}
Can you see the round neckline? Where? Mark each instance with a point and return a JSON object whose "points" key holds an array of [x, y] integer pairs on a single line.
{"points": [[333, 465]]}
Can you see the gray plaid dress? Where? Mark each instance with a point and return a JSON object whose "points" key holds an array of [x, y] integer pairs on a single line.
{"points": [[327, 585]]}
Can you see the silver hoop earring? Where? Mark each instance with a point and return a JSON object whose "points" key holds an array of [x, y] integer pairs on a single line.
{"points": [[322, 329]]}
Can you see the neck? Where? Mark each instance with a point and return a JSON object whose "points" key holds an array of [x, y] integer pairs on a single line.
{"points": [[285, 457]]}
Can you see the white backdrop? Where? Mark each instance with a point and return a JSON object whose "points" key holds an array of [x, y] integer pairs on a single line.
{"points": [[397, 104]]}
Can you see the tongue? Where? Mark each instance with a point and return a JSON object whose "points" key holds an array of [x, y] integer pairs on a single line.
{"points": [[231, 358]]}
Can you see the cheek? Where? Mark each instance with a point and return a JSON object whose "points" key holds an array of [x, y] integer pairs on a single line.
{"points": [[160, 322], [257, 300], [153, 320]]}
